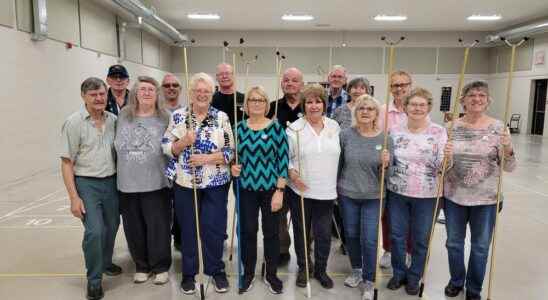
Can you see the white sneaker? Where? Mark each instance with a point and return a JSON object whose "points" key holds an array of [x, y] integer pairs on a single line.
{"points": [[140, 277], [368, 290], [386, 260], [161, 278], [354, 279], [408, 260]]}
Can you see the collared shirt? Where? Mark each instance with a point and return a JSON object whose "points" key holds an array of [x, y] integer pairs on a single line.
{"points": [[285, 112], [112, 105], [395, 116], [473, 178], [333, 104], [225, 103], [213, 135], [418, 158], [319, 157], [90, 149]]}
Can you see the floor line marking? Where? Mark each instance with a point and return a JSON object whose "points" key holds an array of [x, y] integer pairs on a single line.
{"points": [[30, 204]]}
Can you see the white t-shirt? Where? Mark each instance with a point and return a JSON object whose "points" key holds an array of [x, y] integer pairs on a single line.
{"points": [[319, 155]]}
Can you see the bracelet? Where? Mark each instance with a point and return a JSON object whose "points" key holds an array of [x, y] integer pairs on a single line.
{"points": [[281, 189]]}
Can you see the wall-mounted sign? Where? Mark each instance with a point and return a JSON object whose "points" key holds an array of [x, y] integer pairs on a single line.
{"points": [[540, 57]]}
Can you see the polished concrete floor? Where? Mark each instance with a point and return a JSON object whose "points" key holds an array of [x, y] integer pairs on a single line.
{"points": [[42, 257]]}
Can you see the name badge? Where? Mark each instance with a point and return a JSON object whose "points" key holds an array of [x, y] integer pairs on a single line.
{"points": [[378, 147], [264, 136]]}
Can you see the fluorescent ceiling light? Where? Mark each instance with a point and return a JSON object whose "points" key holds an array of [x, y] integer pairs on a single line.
{"points": [[484, 18], [297, 18], [390, 18], [204, 16]]}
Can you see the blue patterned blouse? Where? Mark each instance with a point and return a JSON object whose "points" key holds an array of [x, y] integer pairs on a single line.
{"points": [[213, 134]]}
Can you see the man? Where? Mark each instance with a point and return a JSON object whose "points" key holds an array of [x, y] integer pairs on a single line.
{"points": [[89, 173], [336, 95], [400, 87], [223, 99], [289, 110], [171, 88], [118, 80]]}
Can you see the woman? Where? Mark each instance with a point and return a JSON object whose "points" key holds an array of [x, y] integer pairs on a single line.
{"points": [[144, 202], [319, 157], [356, 87], [212, 141], [470, 189], [362, 157], [412, 185], [262, 169]]}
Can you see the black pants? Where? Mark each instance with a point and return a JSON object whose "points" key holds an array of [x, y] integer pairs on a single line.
{"points": [[175, 227], [147, 220], [250, 204], [318, 217]]}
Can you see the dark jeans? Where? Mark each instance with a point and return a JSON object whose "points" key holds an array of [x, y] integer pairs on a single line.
{"points": [[101, 222], [318, 217], [413, 216], [283, 228], [481, 219], [250, 204], [360, 218], [212, 210], [147, 220]]}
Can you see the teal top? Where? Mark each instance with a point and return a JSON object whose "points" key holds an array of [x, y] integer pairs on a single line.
{"points": [[263, 155]]}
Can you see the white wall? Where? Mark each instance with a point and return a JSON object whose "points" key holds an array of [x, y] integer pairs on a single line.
{"points": [[522, 92]]}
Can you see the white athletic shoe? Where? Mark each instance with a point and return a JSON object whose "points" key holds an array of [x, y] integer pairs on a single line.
{"points": [[161, 278], [386, 260], [368, 288], [140, 277], [354, 279]]}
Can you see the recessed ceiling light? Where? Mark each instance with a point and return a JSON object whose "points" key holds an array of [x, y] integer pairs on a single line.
{"points": [[297, 18], [484, 18], [204, 16], [390, 18]]}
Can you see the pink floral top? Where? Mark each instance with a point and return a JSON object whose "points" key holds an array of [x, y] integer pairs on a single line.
{"points": [[473, 178], [418, 158]]}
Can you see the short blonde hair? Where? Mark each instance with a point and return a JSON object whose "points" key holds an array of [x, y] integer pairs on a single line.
{"points": [[421, 93], [261, 92], [364, 100]]}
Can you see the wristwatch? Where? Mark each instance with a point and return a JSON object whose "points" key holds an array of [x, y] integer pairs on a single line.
{"points": [[281, 189]]}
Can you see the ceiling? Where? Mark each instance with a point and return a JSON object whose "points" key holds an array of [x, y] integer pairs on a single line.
{"points": [[350, 15]]}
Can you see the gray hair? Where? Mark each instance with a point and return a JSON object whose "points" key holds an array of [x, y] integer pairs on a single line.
{"points": [[362, 101], [91, 84], [475, 85], [338, 67], [359, 81], [130, 110], [203, 77]]}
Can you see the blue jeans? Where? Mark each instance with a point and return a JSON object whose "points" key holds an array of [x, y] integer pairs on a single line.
{"points": [[212, 211], [413, 216], [361, 217], [481, 219], [101, 221]]}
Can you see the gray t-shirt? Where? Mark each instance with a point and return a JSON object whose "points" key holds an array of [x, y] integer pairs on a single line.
{"points": [[360, 163], [141, 161]]}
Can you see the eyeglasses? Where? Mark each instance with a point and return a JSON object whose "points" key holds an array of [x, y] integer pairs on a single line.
{"points": [[418, 105], [256, 101], [400, 85], [366, 108], [203, 92], [171, 85], [478, 95]]}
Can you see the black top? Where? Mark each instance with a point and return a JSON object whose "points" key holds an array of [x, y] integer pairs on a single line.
{"points": [[111, 102], [285, 112], [225, 103]]}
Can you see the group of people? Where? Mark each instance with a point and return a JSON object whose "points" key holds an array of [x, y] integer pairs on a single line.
{"points": [[313, 152]]}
